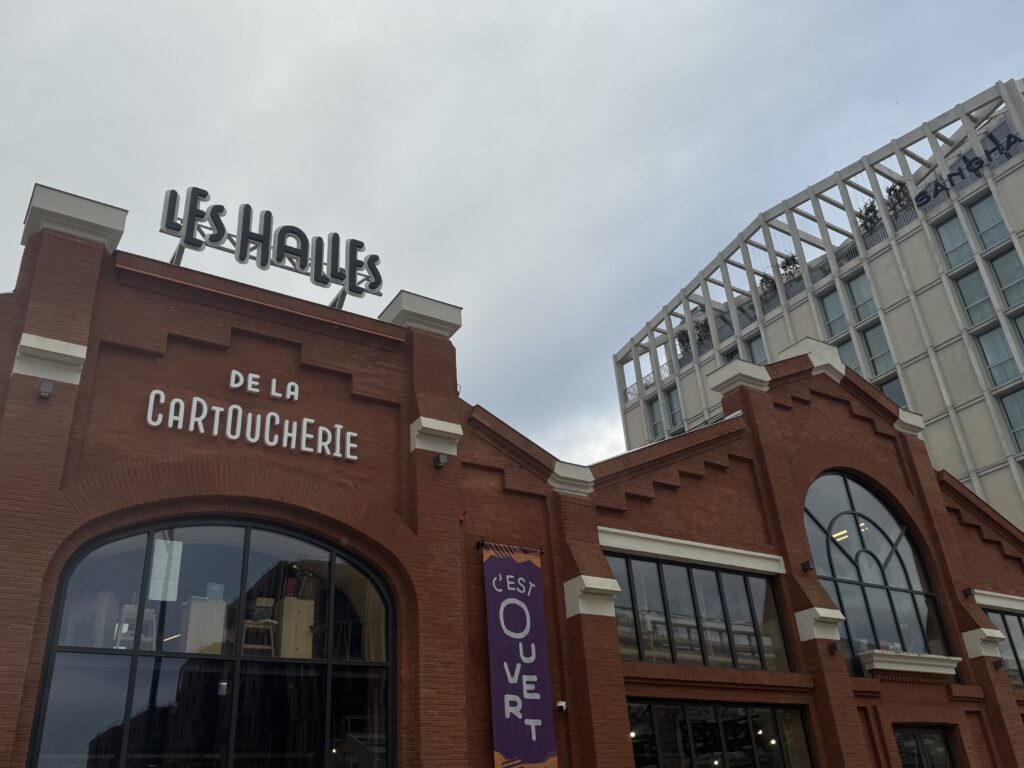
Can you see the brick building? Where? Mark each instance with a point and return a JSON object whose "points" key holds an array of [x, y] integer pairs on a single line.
{"points": [[188, 584]]}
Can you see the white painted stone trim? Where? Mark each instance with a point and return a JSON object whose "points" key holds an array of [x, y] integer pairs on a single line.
{"points": [[819, 624], [983, 642], [900, 661], [738, 373], [411, 310], [999, 601], [694, 552], [590, 596], [72, 215], [909, 423], [435, 435], [824, 357], [573, 479], [48, 358]]}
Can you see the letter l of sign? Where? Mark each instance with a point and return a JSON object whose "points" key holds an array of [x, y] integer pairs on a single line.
{"points": [[169, 224]]}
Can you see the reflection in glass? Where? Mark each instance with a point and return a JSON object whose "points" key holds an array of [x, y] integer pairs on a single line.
{"points": [[282, 723], [707, 737], [684, 619], [286, 598], [1011, 660], [628, 646], [741, 621], [641, 733], [84, 711], [195, 574], [910, 625], [766, 615], [650, 611], [102, 597], [670, 733], [712, 615], [888, 636], [736, 728], [359, 726], [767, 739], [181, 713], [360, 617], [796, 739]]}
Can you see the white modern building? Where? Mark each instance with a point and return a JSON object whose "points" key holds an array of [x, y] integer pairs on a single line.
{"points": [[908, 261]]}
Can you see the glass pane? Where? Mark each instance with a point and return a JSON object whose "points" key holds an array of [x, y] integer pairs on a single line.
{"points": [[360, 616], [684, 621], [915, 569], [102, 597], [954, 242], [848, 354], [286, 598], [856, 611], [181, 713], [1009, 659], [1010, 276], [826, 498], [767, 618], [281, 715], [84, 711], [767, 740], [846, 537], [654, 643], [885, 620], [866, 503], [641, 733], [709, 603], [359, 718], [910, 625], [998, 357], [910, 754], [670, 732], [707, 739], [741, 620], [736, 728], [988, 222], [628, 647], [936, 749], [974, 297], [933, 634], [852, 664], [195, 573], [870, 569], [796, 740], [894, 391], [819, 546]]}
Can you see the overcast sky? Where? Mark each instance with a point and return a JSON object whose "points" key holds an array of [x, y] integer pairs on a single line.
{"points": [[558, 169]]}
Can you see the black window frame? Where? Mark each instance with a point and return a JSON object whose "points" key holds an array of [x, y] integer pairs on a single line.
{"points": [[1000, 619], [237, 658], [629, 558], [917, 731]]}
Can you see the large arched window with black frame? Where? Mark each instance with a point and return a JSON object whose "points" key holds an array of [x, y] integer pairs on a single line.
{"points": [[215, 643], [868, 564]]}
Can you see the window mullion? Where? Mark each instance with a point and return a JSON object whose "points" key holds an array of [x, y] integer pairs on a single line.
{"points": [[1013, 646], [753, 616], [725, 615], [239, 639], [721, 731], [140, 614], [697, 618], [667, 612], [753, 740], [636, 611], [329, 656]]}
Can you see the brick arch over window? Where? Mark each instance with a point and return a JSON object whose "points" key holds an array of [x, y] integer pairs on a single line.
{"points": [[867, 562]]}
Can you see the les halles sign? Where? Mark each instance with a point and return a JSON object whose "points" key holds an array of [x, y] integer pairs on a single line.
{"points": [[323, 259]]}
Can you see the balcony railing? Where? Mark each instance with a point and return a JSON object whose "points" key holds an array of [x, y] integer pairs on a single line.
{"points": [[847, 253], [665, 371], [819, 270], [746, 313], [649, 380], [904, 216], [794, 287], [875, 236], [770, 301], [632, 392], [685, 358]]}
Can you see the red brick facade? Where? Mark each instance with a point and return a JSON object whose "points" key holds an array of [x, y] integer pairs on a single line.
{"points": [[84, 463]]}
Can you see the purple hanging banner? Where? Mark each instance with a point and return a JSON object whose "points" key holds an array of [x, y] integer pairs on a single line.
{"points": [[522, 712]]}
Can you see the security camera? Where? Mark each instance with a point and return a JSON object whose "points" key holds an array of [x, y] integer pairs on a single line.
{"points": [[561, 706]]}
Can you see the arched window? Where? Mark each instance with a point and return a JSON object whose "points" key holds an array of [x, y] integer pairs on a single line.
{"points": [[868, 565], [217, 644]]}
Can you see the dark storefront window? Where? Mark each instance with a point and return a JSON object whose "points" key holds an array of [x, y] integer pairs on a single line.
{"points": [[675, 613], [869, 567], [1012, 646], [217, 645], [924, 748], [692, 735]]}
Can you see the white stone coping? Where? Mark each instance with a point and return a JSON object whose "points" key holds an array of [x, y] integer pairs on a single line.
{"points": [[738, 373], [590, 596], [909, 423], [72, 215], [411, 310], [692, 552], [824, 357], [435, 435], [47, 358], [983, 642], [902, 661], [819, 624], [999, 601], [573, 479]]}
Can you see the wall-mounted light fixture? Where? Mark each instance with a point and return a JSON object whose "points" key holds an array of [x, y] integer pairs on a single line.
{"points": [[833, 647], [968, 591], [45, 389], [807, 565], [441, 461]]}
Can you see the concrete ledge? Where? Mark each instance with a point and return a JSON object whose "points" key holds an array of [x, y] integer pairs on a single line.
{"points": [[72, 215], [983, 642], [819, 624], [738, 373], [824, 357], [909, 423], [692, 552], [899, 661], [573, 479], [590, 596], [999, 601], [411, 310], [47, 358], [435, 435]]}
